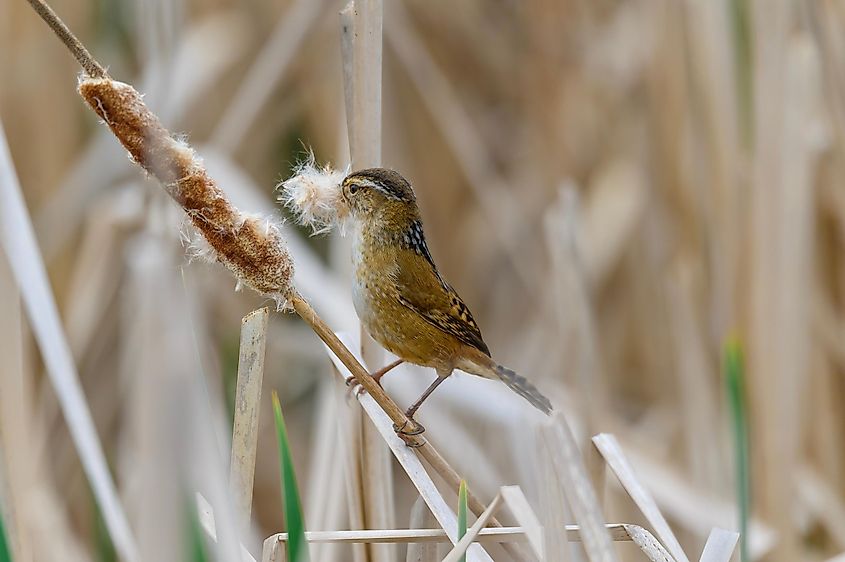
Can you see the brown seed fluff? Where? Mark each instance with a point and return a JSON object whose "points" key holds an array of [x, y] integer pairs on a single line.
{"points": [[252, 248]]}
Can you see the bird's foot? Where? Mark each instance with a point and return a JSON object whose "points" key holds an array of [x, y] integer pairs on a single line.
{"points": [[352, 381], [354, 388], [409, 428]]}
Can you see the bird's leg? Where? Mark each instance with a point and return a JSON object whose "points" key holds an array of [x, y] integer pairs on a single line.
{"points": [[384, 370], [358, 389], [376, 374], [415, 406]]}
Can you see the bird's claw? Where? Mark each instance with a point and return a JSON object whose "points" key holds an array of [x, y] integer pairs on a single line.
{"points": [[416, 428], [354, 387]]}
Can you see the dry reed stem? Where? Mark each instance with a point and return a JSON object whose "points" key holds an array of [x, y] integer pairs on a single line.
{"points": [[347, 55], [692, 510], [209, 525], [782, 246], [618, 463], [365, 118], [516, 501], [720, 546], [554, 509], [650, 546], [351, 425], [352, 436], [422, 518], [560, 445], [501, 535], [247, 406], [597, 471], [379, 499], [361, 37], [326, 484], [619, 532], [152, 368]]}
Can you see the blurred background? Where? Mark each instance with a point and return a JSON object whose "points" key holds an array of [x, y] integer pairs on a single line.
{"points": [[615, 188]]}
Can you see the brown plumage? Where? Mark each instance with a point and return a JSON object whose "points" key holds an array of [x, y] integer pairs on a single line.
{"points": [[401, 298]]}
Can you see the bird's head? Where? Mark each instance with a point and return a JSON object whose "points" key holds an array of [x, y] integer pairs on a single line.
{"points": [[378, 193]]}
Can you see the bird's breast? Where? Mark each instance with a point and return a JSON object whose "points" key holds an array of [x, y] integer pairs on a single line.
{"points": [[373, 285], [376, 296]]}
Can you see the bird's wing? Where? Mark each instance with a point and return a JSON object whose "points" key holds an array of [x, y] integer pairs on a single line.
{"points": [[423, 290]]}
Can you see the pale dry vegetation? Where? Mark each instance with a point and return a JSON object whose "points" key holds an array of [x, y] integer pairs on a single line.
{"points": [[615, 188]]}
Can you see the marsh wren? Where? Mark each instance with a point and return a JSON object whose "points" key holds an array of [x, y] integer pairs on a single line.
{"points": [[402, 300]]}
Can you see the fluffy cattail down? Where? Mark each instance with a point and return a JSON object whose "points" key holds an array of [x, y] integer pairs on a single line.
{"points": [[313, 194], [251, 247]]}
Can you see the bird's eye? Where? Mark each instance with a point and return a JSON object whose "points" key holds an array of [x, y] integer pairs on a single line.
{"points": [[353, 189]]}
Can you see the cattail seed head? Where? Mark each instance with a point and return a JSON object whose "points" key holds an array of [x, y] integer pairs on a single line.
{"points": [[251, 247]]}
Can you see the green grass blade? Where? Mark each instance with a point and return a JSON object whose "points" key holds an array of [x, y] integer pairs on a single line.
{"points": [[735, 379], [297, 545], [5, 554], [462, 513]]}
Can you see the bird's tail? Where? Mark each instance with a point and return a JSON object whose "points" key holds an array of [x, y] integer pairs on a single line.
{"points": [[485, 367]]}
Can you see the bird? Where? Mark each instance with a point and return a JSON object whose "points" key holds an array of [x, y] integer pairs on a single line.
{"points": [[401, 298]]}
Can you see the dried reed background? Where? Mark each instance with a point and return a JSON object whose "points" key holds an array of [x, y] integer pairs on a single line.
{"points": [[614, 187]]}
